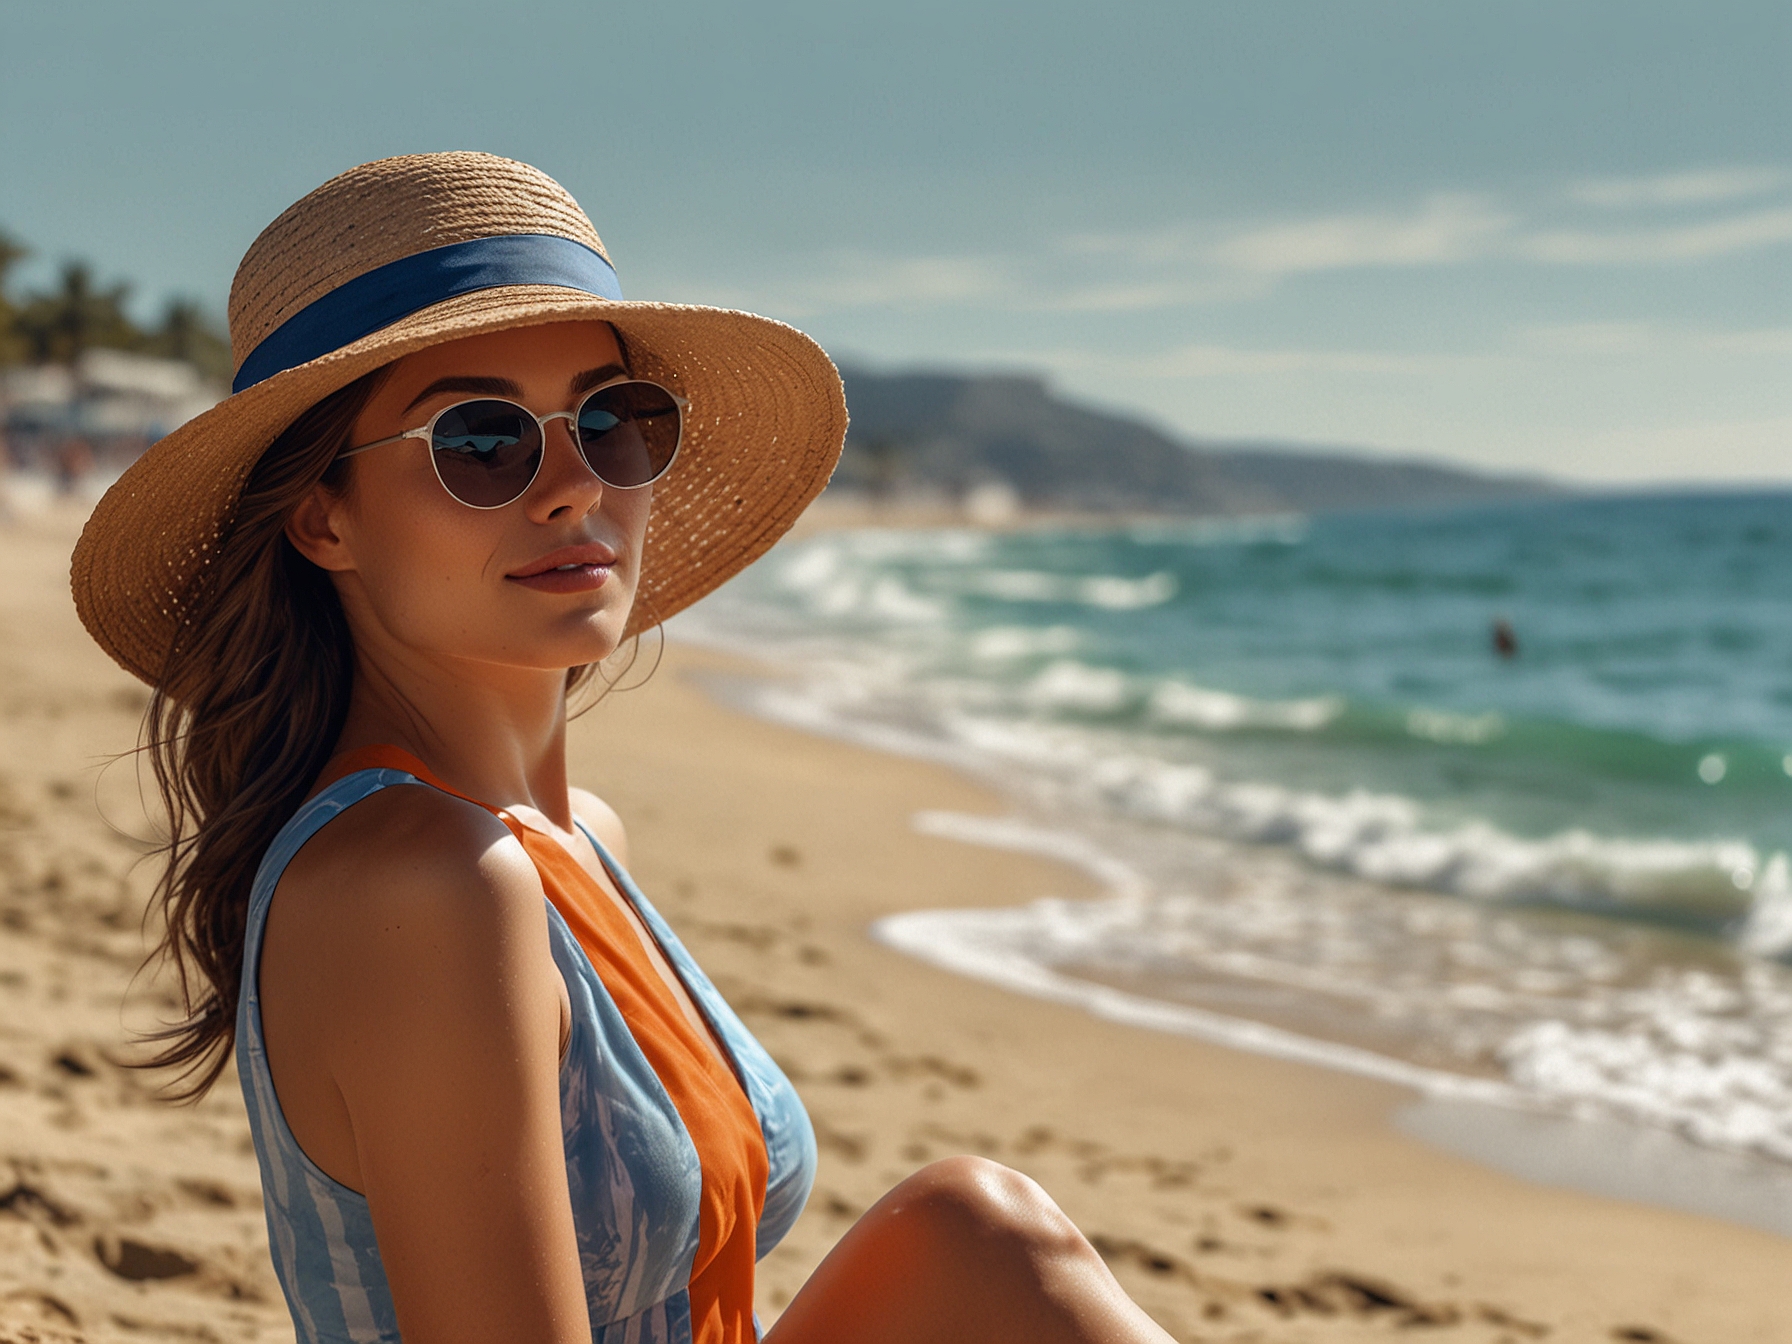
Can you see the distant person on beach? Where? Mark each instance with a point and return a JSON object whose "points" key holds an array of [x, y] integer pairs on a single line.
{"points": [[1505, 638], [74, 464], [492, 1096]]}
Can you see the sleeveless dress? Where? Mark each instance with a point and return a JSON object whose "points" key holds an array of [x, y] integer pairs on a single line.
{"points": [[679, 1181]]}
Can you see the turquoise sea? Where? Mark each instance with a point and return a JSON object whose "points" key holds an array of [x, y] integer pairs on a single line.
{"points": [[1332, 820]]}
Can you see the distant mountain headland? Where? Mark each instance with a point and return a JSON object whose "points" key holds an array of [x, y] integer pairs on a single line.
{"points": [[1010, 442]]}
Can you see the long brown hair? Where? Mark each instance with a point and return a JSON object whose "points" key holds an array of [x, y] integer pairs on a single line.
{"points": [[248, 707]]}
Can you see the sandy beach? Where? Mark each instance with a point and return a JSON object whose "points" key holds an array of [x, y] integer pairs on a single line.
{"points": [[1239, 1198]]}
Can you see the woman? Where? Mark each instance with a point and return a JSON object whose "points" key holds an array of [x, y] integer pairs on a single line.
{"points": [[491, 1094]]}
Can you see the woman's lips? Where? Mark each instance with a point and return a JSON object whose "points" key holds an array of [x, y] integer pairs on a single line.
{"points": [[571, 569], [572, 579]]}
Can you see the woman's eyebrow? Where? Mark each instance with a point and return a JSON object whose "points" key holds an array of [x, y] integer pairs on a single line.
{"points": [[591, 378], [491, 387]]}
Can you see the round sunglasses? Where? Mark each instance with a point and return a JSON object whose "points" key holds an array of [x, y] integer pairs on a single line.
{"points": [[487, 452]]}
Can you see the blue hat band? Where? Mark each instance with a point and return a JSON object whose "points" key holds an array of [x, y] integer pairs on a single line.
{"points": [[382, 296]]}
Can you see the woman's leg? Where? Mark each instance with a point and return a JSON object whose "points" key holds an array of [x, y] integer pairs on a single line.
{"points": [[964, 1250]]}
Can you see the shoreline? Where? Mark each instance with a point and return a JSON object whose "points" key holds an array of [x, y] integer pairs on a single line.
{"points": [[1238, 1197], [1481, 1117]]}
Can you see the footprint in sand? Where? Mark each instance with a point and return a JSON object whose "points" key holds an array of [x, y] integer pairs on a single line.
{"points": [[139, 1261], [21, 1312], [1345, 1294], [208, 1193], [1120, 1250], [72, 1065], [848, 1147], [29, 1202]]}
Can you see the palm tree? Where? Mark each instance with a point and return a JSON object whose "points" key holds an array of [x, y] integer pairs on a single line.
{"points": [[12, 345], [187, 334], [78, 316]]}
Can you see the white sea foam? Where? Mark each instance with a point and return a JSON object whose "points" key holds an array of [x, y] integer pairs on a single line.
{"points": [[1111, 592], [1768, 930], [970, 942], [1186, 705], [1385, 837], [1725, 1098], [1070, 685], [1120, 879], [1004, 946], [1706, 1057], [1006, 643], [1381, 837], [1435, 725], [838, 579], [1283, 529]]}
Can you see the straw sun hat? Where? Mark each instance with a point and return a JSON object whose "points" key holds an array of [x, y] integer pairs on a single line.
{"points": [[405, 253]]}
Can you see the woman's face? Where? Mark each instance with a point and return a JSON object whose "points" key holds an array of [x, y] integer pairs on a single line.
{"points": [[545, 582]]}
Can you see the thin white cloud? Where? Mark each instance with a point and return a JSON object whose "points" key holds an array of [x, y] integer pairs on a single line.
{"points": [[1198, 263], [1182, 287], [1193, 264], [808, 286], [862, 281], [1123, 297], [1445, 229], [1530, 351], [1770, 341], [1630, 339], [1590, 338], [1214, 361], [1452, 230], [1223, 361], [1708, 186], [1689, 242], [1147, 247], [1021, 284]]}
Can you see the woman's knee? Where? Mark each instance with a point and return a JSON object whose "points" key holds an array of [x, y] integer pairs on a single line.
{"points": [[974, 1202]]}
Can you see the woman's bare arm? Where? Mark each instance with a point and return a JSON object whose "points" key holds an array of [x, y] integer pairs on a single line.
{"points": [[410, 959]]}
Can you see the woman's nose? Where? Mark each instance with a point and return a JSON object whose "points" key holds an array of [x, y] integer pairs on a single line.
{"points": [[566, 482]]}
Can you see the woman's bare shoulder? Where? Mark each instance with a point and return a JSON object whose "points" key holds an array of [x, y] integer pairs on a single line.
{"points": [[605, 824], [405, 856]]}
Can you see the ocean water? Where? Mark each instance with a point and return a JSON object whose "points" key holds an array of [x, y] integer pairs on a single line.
{"points": [[1330, 820]]}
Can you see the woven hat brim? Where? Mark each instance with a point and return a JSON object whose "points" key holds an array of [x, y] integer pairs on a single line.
{"points": [[764, 429]]}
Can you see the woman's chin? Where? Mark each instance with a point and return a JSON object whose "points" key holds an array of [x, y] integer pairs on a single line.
{"points": [[554, 652], [592, 643], [577, 637]]}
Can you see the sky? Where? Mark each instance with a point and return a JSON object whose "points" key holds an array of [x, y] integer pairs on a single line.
{"points": [[1534, 235]]}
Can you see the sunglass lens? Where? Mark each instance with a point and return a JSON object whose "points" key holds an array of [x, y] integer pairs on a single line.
{"points": [[486, 452], [629, 432]]}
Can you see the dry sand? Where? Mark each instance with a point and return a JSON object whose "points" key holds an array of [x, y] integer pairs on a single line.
{"points": [[1239, 1198]]}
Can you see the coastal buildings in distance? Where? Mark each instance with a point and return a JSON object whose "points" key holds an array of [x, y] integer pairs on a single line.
{"points": [[72, 428]]}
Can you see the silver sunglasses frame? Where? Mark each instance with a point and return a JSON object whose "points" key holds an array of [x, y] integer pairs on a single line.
{"points": [[426, 434]]}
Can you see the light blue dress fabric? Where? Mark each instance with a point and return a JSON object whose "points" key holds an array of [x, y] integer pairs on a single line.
{"points": [[630, 1165]]}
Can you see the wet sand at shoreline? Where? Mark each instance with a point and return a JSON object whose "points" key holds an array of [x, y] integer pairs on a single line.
{"points": [[1239, 1198]]}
